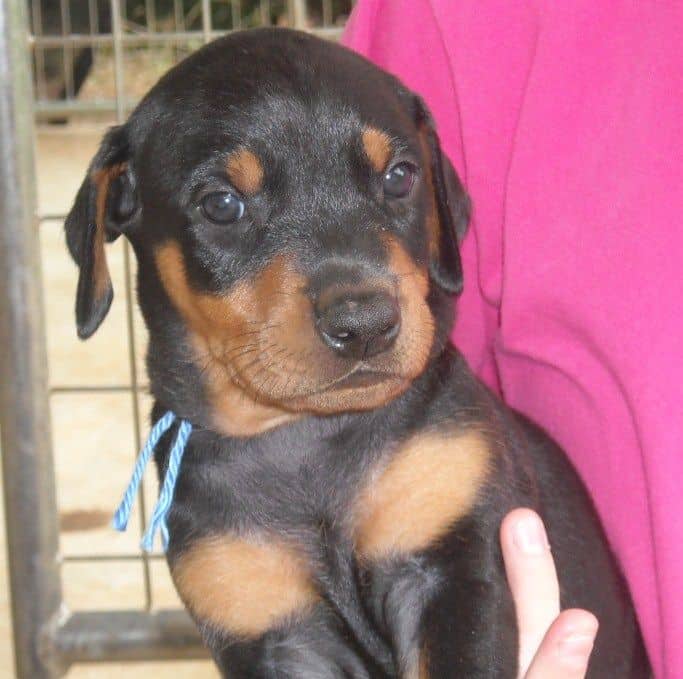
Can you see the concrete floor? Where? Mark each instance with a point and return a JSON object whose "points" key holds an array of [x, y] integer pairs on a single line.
{"points": [[93, 435]]}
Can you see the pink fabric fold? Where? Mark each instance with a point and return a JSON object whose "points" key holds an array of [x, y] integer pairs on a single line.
{"points": [[565, 121]]}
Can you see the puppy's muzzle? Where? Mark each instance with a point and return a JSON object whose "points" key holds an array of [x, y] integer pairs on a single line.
{"points": [[358, 324]]}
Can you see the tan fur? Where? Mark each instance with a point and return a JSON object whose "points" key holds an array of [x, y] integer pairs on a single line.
{"points": [[415, 666], [102, 179], [414, 342], [410, 354], [217, 331], [262, 359], [431, 482], [245, 171], [377, 147], [244, 588], [423, 668]]}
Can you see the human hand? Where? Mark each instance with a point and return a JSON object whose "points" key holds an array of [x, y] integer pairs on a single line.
{"points": [[552, 644]]}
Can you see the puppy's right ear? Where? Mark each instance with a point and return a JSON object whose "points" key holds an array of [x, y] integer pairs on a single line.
{"points": [[105, 207]]}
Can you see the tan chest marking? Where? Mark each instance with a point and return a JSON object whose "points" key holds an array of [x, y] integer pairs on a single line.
{"points": [[243, 587], [430, 483], [423, 666]]}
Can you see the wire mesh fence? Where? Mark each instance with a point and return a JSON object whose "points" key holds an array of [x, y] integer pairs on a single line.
{"points": [[83, 48]]}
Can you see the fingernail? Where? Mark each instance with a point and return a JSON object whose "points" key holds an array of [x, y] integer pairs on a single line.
{"points": [[576, 649], [529, 536]]}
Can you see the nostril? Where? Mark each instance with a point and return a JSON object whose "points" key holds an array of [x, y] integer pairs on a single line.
{"points": [[387, 319], [361, 325], [335, 334], [392, 328]]}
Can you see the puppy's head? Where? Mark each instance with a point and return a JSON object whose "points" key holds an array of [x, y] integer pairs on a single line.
{"points": [[296, 227]]}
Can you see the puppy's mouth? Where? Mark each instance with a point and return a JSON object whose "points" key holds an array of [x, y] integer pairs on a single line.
{"points": [[361, 376]]}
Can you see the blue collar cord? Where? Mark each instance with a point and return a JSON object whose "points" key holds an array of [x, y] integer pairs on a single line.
{"points": [[158, 520]]}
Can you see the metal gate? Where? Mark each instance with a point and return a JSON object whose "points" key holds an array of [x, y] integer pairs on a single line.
{"points": [[46, 50]]}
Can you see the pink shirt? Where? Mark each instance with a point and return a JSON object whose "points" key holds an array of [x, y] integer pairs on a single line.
{"points": [[565, 120]]}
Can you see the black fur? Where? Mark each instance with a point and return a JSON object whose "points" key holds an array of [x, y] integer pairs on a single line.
{"points": [[300, 104]]}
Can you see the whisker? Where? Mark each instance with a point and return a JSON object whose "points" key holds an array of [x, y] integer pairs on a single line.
{"points": [[232, 354], [268, 367], [258, 331], [245, 368]]}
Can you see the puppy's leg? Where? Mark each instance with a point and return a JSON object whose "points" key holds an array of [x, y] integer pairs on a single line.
{"points": [[265, 613], [317, 647], [448, 611]]}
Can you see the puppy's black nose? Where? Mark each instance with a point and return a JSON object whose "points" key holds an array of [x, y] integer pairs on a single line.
{"points": [[358, 324]]}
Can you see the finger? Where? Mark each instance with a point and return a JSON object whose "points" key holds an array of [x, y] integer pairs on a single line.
{"points": [[532, 578], [566, 648]]}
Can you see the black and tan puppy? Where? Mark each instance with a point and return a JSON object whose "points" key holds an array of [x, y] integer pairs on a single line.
{"points": [[337, 510]]}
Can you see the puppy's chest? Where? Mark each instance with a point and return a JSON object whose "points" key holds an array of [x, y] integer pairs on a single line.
{"points": [[381, 496], [279, 488], [282, 516]]}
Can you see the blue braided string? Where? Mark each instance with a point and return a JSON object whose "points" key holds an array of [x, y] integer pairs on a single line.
{"points": [[122, 514], [158, 520]]}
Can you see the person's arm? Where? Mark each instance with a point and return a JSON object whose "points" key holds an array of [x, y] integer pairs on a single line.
{"points": [[553, 644]]}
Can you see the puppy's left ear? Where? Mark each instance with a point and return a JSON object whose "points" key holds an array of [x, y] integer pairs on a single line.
{"points": [[105, 206], [453, 208]]}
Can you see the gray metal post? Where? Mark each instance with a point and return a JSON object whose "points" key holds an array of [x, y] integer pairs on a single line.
{"points": [[31, 514]]}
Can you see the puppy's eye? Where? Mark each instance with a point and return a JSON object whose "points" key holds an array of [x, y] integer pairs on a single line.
{"points": [[222, 207], [399, 180]]}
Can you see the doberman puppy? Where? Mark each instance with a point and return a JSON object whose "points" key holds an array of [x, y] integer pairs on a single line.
{"points": [[296, 227]]}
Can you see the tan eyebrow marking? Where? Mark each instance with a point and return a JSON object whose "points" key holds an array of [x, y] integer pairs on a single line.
{"points": [[377, 147], [245, 171]]}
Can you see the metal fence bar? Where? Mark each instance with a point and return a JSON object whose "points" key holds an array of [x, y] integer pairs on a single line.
{"points": [[264, 8], [137, 38], [67, 51], [108, 636], [298, 8], [150, 15], [327, 12], [206, 20], [146, 37], [31, 511], [93, 22], [117, 32], [178, 15], [39, 53], [92, 558], [49, 109], [95, 389]]}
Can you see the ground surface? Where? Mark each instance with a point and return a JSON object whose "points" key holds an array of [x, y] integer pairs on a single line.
{"points": [[92, 432]]}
